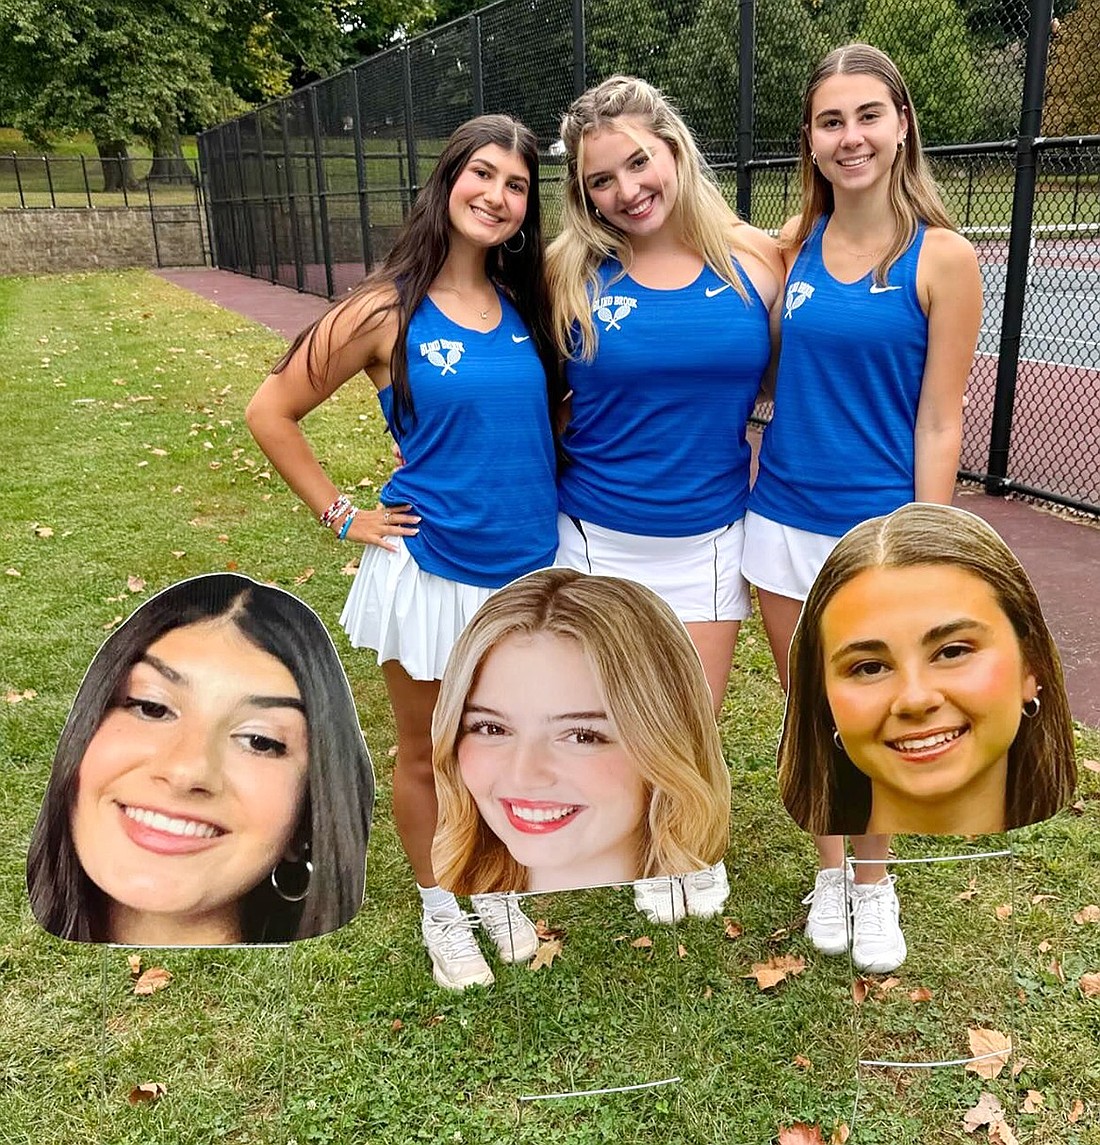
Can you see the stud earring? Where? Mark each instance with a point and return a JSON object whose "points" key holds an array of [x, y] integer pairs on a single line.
{"points": [[901, 143]]}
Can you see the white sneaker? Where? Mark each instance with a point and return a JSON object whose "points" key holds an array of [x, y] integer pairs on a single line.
{"points": [[660, 899], [828, 926], [511, 930], [878, 946], [706, 891], [456, 960]]}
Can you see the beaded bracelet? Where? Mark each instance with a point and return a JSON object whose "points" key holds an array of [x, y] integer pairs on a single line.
{"points": [[347, 524], [335, 511]]}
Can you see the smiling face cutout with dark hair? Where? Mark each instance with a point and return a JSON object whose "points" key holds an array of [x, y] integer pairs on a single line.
{"points": [[187, 802]]}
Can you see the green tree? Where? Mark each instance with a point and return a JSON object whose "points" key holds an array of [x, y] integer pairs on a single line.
{"points": [[1073, 78], [928, 41]]}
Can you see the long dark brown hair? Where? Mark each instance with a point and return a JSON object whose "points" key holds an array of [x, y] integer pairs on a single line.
{"points": [[421, 249]]}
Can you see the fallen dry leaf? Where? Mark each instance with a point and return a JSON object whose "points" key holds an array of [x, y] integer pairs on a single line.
{"points": [[12, 572], [681, 950], [1090, 985], [231, 566], [305, 575], [1055, 968], [223, 538], [887, 984], [840, 1134], [134, 962], [1001, 1134], [1036, 899], [986, 1112], [392, 751], [1043, 946], [1091, 764], [733, 929], [1090, 913], [1078, 808], [861, 987], [775, 970], [800, 1134], [147, 1091], [435, 1020], [351, 568], [115, 620], [802, 1061], [396, 1025], [135, 584], [643, 943], [988, 1042], [546, 954], [1033, 1101], [1004, 911], [1075, 1111], [545, 931], [1020, 1065], [154, 979], [177, 553], [43, 531], [159, 452], [920, 994], [969, 893], [14, 697]]}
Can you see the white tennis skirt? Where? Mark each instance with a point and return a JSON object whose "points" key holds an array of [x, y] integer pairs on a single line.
{"points": [[782, 559], [698, 577], [407, 614]]}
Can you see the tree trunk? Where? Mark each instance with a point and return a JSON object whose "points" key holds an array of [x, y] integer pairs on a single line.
{"points": [[169, 165], [118, 169]]}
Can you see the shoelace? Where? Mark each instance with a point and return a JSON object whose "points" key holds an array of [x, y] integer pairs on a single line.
{"points": [[872, 907], [503, 920], [456, 935], [832, 889], [703, 880]]}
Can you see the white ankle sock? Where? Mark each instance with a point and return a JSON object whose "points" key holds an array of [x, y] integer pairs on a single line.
{"points": [[435, 900]]}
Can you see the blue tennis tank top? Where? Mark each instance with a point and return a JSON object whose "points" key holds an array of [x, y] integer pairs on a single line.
{"points": [[656, 441], [479, 456], [840, 446]]}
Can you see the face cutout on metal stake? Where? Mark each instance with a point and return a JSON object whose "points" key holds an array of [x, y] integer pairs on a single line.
{"points": [[211, 785], [574, 743], [926, 692]]}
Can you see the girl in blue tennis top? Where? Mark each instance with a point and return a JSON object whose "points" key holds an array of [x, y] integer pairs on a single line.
{"points": [[877, 333], [453, 333], [660, 302]]}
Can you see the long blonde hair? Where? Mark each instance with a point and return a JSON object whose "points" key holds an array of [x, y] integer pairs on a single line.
{"points": [[914, 196], [707, 222], [657, 698]]}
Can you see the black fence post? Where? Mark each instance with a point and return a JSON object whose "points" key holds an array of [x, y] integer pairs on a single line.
{"points": [[580, 63], [361, 175], [203, 189], [244, 212], [475, 64], [18, 180], [322, 192], [747, 53], [266, 203], [84, 172], [295, 239], [49, 180], [153, 219], [1023, 204], [410, 124]]}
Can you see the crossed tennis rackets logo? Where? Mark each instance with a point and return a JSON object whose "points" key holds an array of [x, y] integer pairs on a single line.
{"points": [[613, 308], [444, 354], [797, 293]]}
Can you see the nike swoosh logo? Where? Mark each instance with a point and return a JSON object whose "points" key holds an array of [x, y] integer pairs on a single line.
{"points": [[876, 289], [711, 291], [517, 338]]}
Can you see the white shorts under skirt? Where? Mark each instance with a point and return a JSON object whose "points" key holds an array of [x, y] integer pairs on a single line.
{"points": [[407, 614], [782, 559], [699, 577]]}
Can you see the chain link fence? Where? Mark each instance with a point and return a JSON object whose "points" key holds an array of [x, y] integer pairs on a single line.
{"points": [[310, 191]]}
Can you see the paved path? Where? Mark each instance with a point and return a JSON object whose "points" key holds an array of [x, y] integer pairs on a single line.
{"points": [[1061, 555]]}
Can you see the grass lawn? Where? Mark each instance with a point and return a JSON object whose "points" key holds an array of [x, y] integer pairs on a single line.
{"points": [[124, 437]]}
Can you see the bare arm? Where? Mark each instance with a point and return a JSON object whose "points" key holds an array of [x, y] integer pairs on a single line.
{"points": [[950, 288], [785, 256], [283, 400]]}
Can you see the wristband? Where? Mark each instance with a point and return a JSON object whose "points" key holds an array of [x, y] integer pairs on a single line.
{"points": [[347, 524]]}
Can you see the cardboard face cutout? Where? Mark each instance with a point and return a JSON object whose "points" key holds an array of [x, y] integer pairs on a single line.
{"points": [[211, 785], [926, 694], [574, 744]]}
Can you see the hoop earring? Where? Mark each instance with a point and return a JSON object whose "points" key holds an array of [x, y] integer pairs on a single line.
{"points": [[300, 876], [837, 740], [1031, 707], [522, 243], [813, 158]]}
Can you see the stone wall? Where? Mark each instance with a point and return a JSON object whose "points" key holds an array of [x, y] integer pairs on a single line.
{"points": [[43, 240]]}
